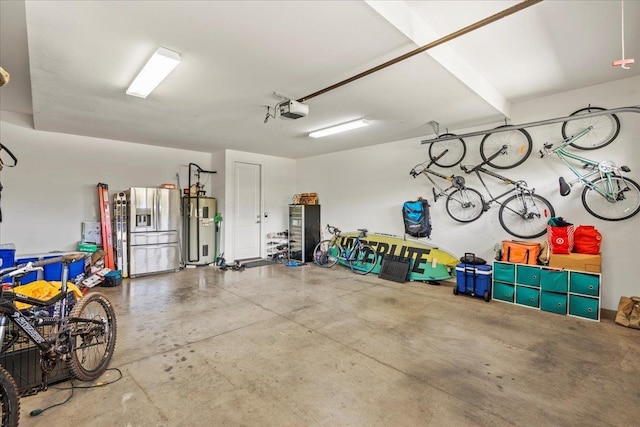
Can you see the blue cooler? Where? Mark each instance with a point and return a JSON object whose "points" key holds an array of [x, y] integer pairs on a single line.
{"points": [[474, 280]]}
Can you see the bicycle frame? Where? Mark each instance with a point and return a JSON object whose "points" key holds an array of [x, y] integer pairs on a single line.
{"points": [[10, 312], [518, 186], [346, 252], [598, 168], [457, 182]]}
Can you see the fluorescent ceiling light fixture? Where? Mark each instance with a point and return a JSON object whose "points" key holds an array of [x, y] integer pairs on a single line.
{"points": [[155, 70], [339, 128]]}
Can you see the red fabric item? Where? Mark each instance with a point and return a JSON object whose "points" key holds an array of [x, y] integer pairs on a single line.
{"points": [[560, 239], [587, 240]]}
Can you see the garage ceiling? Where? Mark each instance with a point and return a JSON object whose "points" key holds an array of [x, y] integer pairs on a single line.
{"points": [[72, 70]]}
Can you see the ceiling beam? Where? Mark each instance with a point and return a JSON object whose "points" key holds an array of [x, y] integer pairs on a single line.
{"points": [[407, 21]]}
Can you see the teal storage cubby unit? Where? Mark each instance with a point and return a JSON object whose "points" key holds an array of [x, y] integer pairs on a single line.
{"points": [[568, 292]]}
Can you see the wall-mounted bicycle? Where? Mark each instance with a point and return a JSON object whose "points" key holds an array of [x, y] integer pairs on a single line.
{"points": [[457, 182], [609, 196], [524, 214], [514, 147]]}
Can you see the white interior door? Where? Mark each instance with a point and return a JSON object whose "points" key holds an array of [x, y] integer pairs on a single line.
{"points": [[247, 221]]}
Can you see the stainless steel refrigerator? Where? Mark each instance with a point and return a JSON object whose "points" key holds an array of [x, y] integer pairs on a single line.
{"points": [[155, 224]]}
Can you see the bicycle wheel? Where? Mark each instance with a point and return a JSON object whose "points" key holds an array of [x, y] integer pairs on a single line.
{"points": [[326, 253], [455, 151], [518, 148], [363, 259], [624, 203], [525, 215], [9, 399], [605, 129], [465, 205], [93, 336]]}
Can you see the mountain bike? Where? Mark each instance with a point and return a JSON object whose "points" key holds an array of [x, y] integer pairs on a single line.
{"points": [[80, 333], [609, 196], [514, 147], [524, 214], [360, 256]]}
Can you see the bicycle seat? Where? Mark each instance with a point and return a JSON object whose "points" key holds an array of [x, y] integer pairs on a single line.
{"points": [[363, 232]]}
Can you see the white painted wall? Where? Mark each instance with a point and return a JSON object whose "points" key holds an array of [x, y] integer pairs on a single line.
{"points": [[53, 189], [278, 183], [366, 187]]}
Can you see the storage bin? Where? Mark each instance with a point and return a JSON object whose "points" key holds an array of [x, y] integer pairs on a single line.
{"points": [[76, 268], [31, 277], [554, 280], [504, 272], [112, 278], [528, 276], [553, 302], [527, 296], [53, 272], [583, 283], [7, 259], [584, 307], [503, 292]]}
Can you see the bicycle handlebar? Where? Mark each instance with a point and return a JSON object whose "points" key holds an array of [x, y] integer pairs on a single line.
{"points": [[333, 230], [546, 149]]}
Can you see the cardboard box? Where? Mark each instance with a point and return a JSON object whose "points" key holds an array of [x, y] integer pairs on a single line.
{"points": [[580, 262]]}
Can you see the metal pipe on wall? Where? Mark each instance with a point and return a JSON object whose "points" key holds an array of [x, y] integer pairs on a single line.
{"points": [[632, 109]]}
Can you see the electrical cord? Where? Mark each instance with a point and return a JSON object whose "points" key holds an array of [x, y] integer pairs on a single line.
{"points": [[37, 412]]}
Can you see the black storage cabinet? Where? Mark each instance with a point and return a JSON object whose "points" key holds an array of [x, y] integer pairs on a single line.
{"points": [[304, 231]]}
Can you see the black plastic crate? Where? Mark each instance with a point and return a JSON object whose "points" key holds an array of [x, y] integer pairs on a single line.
{"points": [[395, 268], [22, 361]]}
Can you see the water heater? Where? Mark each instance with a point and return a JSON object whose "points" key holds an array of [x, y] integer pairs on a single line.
{"points": [[199, 232]]}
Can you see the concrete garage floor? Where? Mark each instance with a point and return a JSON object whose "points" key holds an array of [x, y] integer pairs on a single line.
{"points": [[308, 346]]}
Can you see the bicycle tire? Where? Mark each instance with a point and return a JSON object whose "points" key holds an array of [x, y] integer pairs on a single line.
{"points": [[92, 346], [457, 149], [465, 205], [626, 205], [605, 129], [9, 399], [326, 253], [538, 215], [363, 259], [519, 146]]}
